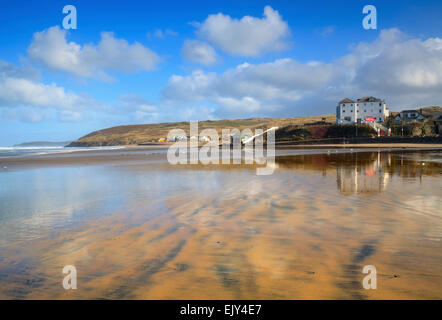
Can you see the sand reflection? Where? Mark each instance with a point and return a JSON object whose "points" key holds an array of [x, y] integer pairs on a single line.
{"points": [[221, 232]]}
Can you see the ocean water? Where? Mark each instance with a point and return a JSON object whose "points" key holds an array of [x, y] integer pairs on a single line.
{"points": [[20, 151], [154, 231]]}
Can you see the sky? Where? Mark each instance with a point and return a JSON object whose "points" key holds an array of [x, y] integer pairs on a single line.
{"points": [[132, 62]]}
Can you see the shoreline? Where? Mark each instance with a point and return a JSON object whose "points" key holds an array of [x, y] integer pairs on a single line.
{"points": [[411, 146], [153, 154]]}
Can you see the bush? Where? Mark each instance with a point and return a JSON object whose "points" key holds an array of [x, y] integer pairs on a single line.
{"points": [[292, 133], [296, 133], [349, 131]]}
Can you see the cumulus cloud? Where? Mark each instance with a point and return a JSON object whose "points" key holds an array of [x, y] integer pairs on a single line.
{"points": [[410, 64], [23, 95], [248, 36], [18, 91], [199, 52], [138, 108], [406, 71], [51, 49], [252, 88], [9, 70]]}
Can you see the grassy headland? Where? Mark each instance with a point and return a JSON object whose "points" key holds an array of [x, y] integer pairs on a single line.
{"points": [[151, 133], [291, 129]]}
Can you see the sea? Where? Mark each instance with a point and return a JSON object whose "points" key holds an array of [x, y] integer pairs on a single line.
{"points": [[37, 150]]}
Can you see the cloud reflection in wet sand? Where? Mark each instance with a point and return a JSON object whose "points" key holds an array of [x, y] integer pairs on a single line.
{"points": [[220, 232]]}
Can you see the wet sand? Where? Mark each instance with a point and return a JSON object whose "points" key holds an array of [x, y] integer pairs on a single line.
{"points": [[150, 154], [384, 146], [222, 232]]}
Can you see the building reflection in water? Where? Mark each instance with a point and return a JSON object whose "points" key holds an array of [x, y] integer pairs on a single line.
{"points": [[368, 175], [365, 172]]}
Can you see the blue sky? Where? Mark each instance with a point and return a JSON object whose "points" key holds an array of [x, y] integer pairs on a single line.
{"points": [[134, 62]]}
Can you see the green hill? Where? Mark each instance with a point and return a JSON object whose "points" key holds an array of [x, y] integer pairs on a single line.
{"points": [[144, 134], [151, 133]]}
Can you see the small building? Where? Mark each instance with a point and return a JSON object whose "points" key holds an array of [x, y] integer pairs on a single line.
{"points": [[363, 110], [178, 138], [408, 116]]}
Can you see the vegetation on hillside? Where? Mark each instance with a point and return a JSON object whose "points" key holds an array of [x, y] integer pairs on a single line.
{"points": [[416, 129], [296, 129], [296, 133], [151, 133]]}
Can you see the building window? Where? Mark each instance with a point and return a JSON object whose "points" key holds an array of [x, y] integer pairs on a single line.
{"points": [[380, 111], [343, 111], [351, 110]]}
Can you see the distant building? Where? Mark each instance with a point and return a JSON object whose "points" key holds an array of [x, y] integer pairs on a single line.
{"points": [[363, 110], [408, 116], [178, 138]]}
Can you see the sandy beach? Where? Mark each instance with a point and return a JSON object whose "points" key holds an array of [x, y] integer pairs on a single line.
{"points": [[136, 227], [132, 154]]}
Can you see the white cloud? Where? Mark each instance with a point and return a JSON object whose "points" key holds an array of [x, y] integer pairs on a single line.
{"points": [[252, 88], [10, 70], [248, 36], [138, 108], [51, 48], [199, 52], [406, 71], [197, 86], [23, 97], [246, 104], [403, 64], [19, 91]]}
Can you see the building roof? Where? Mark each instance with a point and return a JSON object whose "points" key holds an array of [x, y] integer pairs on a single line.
{"points": [[346, 100], [369, 99], [407, 111]]}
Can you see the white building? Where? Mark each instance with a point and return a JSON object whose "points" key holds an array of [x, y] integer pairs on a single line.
{"points": [[363, 110]]}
